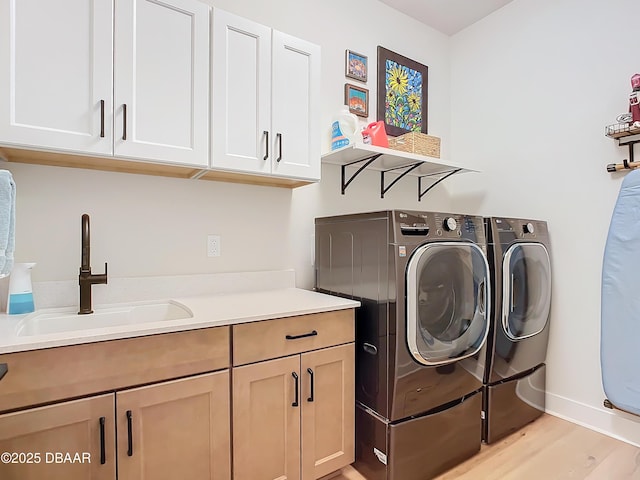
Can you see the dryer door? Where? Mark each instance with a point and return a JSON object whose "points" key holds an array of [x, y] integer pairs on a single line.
{"points": [[447, 309], [526, 287]]}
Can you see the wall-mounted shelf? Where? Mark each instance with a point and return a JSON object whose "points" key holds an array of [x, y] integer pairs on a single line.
{"points": [[429, 170], [625, 135]]}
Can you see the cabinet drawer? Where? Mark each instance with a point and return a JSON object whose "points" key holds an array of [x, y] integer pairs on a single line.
{"points": [[42, 376], [257, 341]]}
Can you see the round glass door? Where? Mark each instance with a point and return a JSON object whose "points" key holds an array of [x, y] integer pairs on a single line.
{"points": [[526, 288], [447, 310]]}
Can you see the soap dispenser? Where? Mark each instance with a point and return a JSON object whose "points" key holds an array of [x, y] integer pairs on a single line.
{"points": [[20, 299]]}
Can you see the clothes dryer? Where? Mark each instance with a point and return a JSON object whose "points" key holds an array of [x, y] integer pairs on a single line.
{"points": [[423, 282], [516, 348]]}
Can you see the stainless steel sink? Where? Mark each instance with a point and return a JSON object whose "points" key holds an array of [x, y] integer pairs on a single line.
{"points": [[68, 320]]}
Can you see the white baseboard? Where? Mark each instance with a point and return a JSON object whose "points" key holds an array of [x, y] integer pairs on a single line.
{"points": [[613, 423]]}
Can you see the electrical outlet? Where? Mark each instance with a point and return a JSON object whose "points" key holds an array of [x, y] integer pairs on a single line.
{"points": [[213, 245]]}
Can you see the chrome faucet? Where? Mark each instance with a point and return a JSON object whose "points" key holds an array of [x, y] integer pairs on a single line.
{"points": [[86, 278]]}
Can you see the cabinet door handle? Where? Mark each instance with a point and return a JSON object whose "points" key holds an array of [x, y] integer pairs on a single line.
{"points": [[4, 368], [295, 379], [266, 142], [310, 399], [370, 349], [124, 121], [102, 118], [279, 138], [295, 337], [103, 455], [129, 434]]}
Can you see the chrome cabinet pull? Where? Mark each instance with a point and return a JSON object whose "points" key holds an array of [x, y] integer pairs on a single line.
{"points": [[4, 368]]}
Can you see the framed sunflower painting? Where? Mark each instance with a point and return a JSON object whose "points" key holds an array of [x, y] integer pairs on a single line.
{"points": [[402, 93]]}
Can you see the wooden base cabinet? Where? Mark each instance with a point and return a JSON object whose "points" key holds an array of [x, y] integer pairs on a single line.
{"points": [[169, 430], [177, 429], [66, 441], [293, 417]]}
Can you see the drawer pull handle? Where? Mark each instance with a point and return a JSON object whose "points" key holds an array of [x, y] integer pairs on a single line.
{"points": [[310, 399], [295, 337], [129, 434], [4, 368], [295, 378], [103, 454]]}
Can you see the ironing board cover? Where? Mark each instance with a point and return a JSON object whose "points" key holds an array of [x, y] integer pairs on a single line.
{"points": [[620, 314]]}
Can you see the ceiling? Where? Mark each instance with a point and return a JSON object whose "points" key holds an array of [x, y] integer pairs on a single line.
{"points": [[447, 16]]}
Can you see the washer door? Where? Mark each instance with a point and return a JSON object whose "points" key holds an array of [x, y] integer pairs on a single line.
{"points": [[526, 287], [447, 310]]}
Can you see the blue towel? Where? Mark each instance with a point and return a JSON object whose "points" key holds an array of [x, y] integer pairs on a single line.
{"points": [[7, 222]]}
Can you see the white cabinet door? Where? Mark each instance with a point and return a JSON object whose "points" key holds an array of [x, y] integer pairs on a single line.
{"points": [[266, 88], [161, 89], [241, 109], [295, 111], [56, 74]]}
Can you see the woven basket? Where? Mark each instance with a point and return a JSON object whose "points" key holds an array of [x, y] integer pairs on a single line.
{"points": [[416, 142]]}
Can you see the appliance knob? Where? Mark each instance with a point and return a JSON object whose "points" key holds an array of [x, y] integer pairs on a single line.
{"points": [[450, 224], [528, 228]]}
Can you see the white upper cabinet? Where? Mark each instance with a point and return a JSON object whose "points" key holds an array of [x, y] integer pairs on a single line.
{"points": [[265, 100], [58, 91], [56, 74], [161, 88], [295, 107], [241, 94]]}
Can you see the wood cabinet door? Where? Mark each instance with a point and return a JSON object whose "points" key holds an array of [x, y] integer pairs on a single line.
{"points": [[56, 74], [161, 90], [65, 441], [266, 420], [328, 413], [241, 110], [295, 127], [176, 429]]}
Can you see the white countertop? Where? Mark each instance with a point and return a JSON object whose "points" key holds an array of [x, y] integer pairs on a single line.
{"points": [[207, 310]]}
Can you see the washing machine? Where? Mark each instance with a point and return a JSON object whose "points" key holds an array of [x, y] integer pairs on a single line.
{"points": [[423, 282], [516, 348]]}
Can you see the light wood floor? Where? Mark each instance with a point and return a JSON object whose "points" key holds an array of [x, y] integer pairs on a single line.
{"points": [[547, 449]]}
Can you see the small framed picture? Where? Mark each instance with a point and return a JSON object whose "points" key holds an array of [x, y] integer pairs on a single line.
{"points": [[357, 99], [355, 66]]}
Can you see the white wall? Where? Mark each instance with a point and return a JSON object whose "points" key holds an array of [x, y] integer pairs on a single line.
{"points": [[144, 225], [533, 87]]}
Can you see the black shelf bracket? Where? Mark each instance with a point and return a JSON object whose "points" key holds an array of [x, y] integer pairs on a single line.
{"points": [[367, 161], [444, 176], [408, 169]]}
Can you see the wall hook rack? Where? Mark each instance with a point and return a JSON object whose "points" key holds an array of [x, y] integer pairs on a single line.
{"points": [[626, 136]]}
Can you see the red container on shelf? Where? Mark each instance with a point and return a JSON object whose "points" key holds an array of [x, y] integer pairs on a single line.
{"points": [[375, 134]]}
